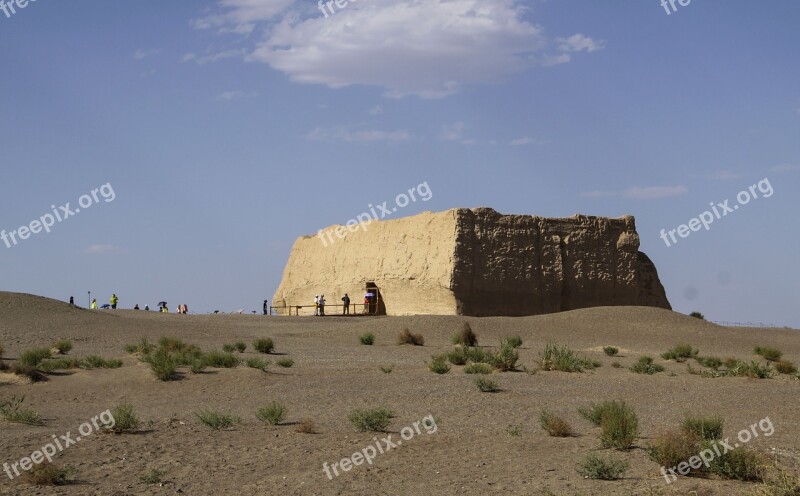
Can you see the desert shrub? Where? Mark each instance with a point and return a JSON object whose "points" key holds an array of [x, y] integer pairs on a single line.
{"points": [[610, 350], [785, 367], [477, 355], [561, 358], [240, 346], [197, 366], [486, 385], [671, 448], [171, 344], [152, 476], [438, 364], [285, 362], [220, 360], [458, 356], [618, 423], [375, 420], [596, 467], [63, 346], [740, 464], [645, 365], [512, 341], [12, 411], [697, 315], [125, 418], [272, 414], [711, 362], [228, 348], [51, 365], [680, 353], [143, 347], [162, 364], [555, 426], [306, 426], [264, 345], [407, 337], [367, 339], [32, 373], [616, 365], [478, 368], [387, 369], [466, 337], [769, 354], [32, 358], [505, 359], [257, 363], [514, 430], [753, 370], [97, 362], [49, 474], [707, 428], [216, 420]]}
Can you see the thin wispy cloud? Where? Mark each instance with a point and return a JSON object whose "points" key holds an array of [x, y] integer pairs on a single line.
{"points": [[212, 57], [343, 134], [141, 54], [525, 140], [235, 95], [784, 168]]}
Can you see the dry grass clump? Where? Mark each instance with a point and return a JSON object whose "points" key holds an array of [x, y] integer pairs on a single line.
{"points": [[486, 385], [216, 420], [645, 365], [768, 354], [375, 420], [466, 337], [596, 467], [407, 337], [62, 346], [438, 364], [32, 358], [12, 411], [680, 353], [478, 368], [785, 367], [49, 474], [125, 419], [555, 357], [367, 339], [272, 414], [618, 423], [610, 350], [264, 345], [306, 426], [555, 426]]}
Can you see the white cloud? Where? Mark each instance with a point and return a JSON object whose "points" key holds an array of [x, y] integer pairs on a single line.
{"points": [[344, 134], [452, 132], [784, 168], [376, 110], [578, 42], [212, 57], [99, 249], [654, 192], [235, 95], [526, 140], [429, 48], [140, 54]]}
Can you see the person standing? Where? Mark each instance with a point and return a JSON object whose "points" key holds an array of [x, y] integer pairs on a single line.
{"points": [[316, 305], [266, 308], [322, 305], [94, 304], [114, 301], [346, 305], [72, 301]]}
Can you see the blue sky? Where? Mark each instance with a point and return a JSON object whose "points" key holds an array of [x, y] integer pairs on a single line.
{"points": [[229, 128]]}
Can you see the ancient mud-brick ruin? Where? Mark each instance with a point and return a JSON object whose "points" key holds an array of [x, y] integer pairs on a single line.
{"points": [[474, 262]]}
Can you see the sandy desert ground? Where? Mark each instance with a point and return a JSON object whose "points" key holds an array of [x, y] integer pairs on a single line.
{"points": [[472, 450]]}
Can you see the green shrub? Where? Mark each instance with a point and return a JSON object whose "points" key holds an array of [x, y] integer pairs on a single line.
{"points": [[697, 315], [367, 339], [51, 365], [610, 350], [240, 346], [769, 354], [387, 369], [264, 345], [477, 355], [438, 364], [616, 365], [466, 337], [220, 360], [49, 474], [375, 420], [285, 362], [561, 358], [228, 348], [257, 363], [32, 373], [514, 430], [144, 347], [512, 341], [753, 370], [172, 345], [740, 464], [125, 418], [505, 359], [216, 420], [197, 366], [478, 368], [97, 362], [162, 364], [595, 467], [785, 367], [32, 358], [673, 447], [486, 385], [707, 428], [272, 414], [618, 423], [63, 346], [152, 476], [407, 337], [555, 426], [458, 356], [645, 365], [680, 353], [711, 362], [12, 411]]}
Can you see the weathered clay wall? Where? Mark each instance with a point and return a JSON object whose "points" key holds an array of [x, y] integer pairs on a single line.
{"points": [[477, 262]]}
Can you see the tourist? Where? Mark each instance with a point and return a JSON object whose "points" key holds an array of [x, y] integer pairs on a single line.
{"points": [[266, 308], [322, 305], [316, 305], [147, 308], [72, 301], [113, 301], [94, 304], [346, 305], [136, 307]]}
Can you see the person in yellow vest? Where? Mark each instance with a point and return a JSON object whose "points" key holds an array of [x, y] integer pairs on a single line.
{"points": [[114, 301], [94, 304]]}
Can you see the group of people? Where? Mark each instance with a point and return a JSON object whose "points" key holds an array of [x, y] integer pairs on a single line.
{"points": [[319, 304], [112, 302]]}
